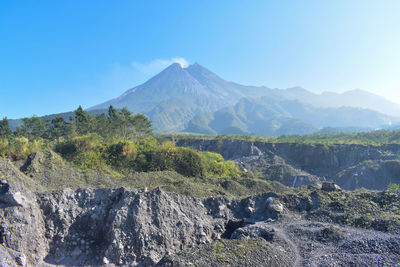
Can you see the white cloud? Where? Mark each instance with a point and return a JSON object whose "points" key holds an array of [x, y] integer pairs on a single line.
{"points": [[158, 64]]}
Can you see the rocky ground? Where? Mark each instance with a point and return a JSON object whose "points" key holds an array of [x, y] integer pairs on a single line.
{"points": [[295, 243], [47, 219], [137, 228]]}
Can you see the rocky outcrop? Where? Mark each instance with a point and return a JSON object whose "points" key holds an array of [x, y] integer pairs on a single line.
{"points": [[79, 227], [48, 169], [347, 164], [22, 227], [373, 174], [9, 172], [124, 227]]}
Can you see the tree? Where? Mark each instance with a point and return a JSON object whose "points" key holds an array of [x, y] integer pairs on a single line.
{"points": [[102, 125], [114, 122], [123, 125], [34, 127], [83, 121], [5, 130], [58, 127], [141, 125], [112, 113], [127, 121]]}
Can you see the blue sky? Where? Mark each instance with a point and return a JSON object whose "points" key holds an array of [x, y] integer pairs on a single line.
{"points": [[55, 55]]}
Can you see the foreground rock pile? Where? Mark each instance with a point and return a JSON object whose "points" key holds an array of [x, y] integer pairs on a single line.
{"points": [[124, 227]]}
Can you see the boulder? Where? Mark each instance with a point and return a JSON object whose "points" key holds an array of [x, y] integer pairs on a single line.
{"points": [[274, 205], [329, 186]]}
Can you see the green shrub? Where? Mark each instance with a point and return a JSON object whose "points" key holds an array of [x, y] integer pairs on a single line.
{"points": [[87, 142], [19, 148], [147, 154], [164, 157], [188, 163], [4, 147], [66, 149], [122, 154], [216, 165], [86, 152], [90, 160]]}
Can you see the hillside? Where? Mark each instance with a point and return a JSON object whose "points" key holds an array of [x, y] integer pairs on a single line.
{"points": [[272, 116]]}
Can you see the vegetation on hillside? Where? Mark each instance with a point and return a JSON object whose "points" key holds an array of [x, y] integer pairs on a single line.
{"points": [[116, 142], [379, 137]]}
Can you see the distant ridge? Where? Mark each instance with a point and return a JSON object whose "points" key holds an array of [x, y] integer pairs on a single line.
{"points": [[353, 98], [273, 117], [197, 100]]}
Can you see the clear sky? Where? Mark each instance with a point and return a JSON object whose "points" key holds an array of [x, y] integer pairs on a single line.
{"points": [[55, 55]]}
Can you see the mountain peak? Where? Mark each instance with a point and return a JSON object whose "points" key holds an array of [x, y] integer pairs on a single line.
{"points": [[195, 65], [175, 69], [174, 65], [200, 72]]}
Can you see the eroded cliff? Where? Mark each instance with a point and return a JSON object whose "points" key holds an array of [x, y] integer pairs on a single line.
{"points": [[350, 165]]}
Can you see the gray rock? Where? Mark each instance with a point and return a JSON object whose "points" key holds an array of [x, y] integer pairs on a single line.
{"points": [[12, 199], [22, 225], [6, 260], [21, 260], [327, 186], [274, 205]]}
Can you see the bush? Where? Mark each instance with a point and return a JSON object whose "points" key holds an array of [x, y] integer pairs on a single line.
{"points": [[66, 149], [87, 142], [216, 165], [122, 154], [188, 163], [164, 158], [79, 144], [19, 149], [90, 151], [90, 160], [4, 147]]}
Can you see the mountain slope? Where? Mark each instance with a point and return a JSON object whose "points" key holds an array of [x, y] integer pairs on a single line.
{"points": [[275, 116], [173, 98], [195, 88]]}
